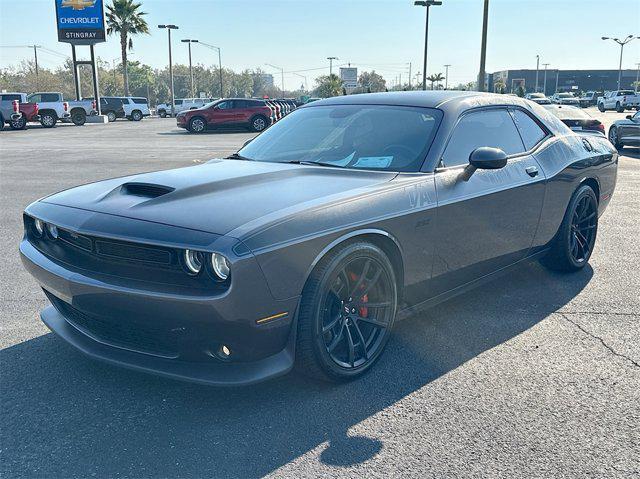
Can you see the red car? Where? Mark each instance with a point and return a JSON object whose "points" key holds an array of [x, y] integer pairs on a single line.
{"points": [[29, 113], [228, 112]]}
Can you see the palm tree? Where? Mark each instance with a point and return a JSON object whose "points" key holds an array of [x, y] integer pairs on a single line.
{"points": [[123, 17], [436, 78]]}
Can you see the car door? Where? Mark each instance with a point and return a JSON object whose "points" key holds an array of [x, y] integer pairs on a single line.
{"points": [[486, 220], [629, 130], [222, 113]]}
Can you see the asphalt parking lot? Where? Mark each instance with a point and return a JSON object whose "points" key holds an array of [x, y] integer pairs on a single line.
{"points": [[534, 375]]}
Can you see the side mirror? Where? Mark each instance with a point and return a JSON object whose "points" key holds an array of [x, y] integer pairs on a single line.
{"points": [[629, 117], [486, 158]]}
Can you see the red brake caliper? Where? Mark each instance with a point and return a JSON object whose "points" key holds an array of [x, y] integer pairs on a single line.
{"points": [[364, 299]]}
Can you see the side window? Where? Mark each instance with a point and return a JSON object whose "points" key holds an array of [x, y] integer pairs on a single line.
{"points": [[530, 131], [239, 104], [494, 128], [178, 102], [225, 105], [11, 97], [34, 98], [50, 97]]}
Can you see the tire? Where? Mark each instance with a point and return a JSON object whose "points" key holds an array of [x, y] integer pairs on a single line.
{"points": [[197, 124], [111, 116], [601, 107], [78, 117], [20, 124], [331, 329], [573, 244], [1, 122], [613, 138], [258, 123], [619, 108], [162, 113], [136, 115], [48, 119]]}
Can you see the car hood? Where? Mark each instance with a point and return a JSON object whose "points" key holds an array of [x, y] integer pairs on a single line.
{"points": [[221, 195]]}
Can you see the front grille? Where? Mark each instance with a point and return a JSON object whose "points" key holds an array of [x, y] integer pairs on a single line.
{"points": [[131, 252], [120, 332]]}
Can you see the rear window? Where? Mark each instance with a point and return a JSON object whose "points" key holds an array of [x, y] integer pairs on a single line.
{"points": [[569, 113], [178, 102], [626, 92], [140, 101]]}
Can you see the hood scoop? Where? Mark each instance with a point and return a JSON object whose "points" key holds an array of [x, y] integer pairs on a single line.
{"points": [[145, 190]]}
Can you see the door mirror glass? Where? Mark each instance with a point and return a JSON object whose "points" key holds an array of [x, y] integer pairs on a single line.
{"points": [[486, 158], [629, 117]]}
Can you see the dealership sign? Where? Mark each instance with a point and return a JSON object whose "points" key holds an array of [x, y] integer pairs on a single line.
{"points": [[80, 22]]}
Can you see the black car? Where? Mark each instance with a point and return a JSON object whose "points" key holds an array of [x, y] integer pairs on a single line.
{"points": [[307, 244], [626, 132], [111, 106], [576, 118]]}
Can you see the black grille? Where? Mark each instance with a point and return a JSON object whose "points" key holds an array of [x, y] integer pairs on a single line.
{"points": [[76, 240], [131, 252], [120, 332]]}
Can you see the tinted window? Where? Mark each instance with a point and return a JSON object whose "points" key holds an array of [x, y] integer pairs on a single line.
{"points": [[34, 98], [224, 105], [493, 128], [10, 97], [52, 97], [530, 131], [390, 138], [140, 101], [241, 104], [178, 102]]}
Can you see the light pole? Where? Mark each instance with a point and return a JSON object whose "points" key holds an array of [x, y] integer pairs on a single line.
{"points": [[537, 70], [622, 43], [189, 41], [173, 100], [637, 78], [446, 76], [483, 47], [428, 4], [281, 76], [544, 85], [213, 47], [331, 64], [306, 87]]}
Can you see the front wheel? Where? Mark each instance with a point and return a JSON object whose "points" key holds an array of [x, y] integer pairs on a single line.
{"points": [[48, 120], [613, 138], [601, 107], [574, 242], [346, 313], [197, 125]]}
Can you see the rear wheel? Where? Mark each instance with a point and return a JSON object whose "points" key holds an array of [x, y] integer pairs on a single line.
{"points": [[111, 116], [258, 123], [601, 107], [619, 108], [162, 113], [347, 312], [613, 138], [78, 117], [197, 124], [136, 115], [19, 124], [48, 119], [574, 242]]}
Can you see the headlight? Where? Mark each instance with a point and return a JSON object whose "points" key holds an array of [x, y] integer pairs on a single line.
{"points": [[39, 226], [220, 266], [53, 231], [193, 261]]}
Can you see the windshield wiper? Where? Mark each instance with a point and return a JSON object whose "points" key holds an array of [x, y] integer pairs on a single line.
{"points": [[236, 156], [315, 163]]}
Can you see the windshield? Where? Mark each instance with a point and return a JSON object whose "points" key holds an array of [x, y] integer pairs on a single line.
{"points": [[378, 137]]}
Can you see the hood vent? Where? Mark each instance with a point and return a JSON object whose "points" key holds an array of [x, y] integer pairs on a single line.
{"points": [[146, 190]]}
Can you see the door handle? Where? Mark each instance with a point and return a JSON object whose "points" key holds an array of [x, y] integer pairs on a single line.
{"points": [[532, 171]]}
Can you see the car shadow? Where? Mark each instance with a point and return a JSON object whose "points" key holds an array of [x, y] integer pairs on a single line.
{"points": [[78, 417], [182, 131], [630, 152]]}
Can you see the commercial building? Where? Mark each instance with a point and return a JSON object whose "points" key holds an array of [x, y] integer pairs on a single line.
{"points": [[560, 80]]}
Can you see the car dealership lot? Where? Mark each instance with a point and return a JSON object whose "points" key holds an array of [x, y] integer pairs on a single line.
{"points": [[535, 374]]}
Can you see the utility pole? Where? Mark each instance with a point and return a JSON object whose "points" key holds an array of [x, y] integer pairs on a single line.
{"points": [[173, 99], [189, 41], [483, 47], [35, 57], [446, 76], [410, 88], [637, 78], [622, 43], [331, 64], [557, 77], [537, 69], [544, 86], [281, 78], [428, 4]]}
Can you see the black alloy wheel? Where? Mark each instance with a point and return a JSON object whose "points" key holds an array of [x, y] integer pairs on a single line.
{"points": [[613, 138], [347, 312], [575, 240], [79, 118]]}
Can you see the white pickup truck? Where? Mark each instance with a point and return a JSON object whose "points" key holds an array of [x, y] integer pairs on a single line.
{"points": [[54, 108], [619, 100]]}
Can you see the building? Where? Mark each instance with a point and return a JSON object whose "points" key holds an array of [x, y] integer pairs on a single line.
{"points": [[561, 80], [267, 79]]}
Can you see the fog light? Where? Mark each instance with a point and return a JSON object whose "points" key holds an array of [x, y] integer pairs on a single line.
{"points": [[53, 231], [220, 266], [223, 353], [39, 226], [193, 261]]}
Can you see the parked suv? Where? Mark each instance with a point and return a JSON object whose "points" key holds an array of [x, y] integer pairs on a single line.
{"points": [[10, 107], [135, 108], [112, 107], [229, 112]]}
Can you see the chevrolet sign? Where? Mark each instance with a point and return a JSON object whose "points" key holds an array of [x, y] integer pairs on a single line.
{"points": [[80, 22]]}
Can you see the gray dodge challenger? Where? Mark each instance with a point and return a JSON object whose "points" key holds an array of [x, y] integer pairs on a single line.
{"points": [[304, 247]]}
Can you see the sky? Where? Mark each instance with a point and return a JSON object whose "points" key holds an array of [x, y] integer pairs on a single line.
{"points": [[385, 35]]}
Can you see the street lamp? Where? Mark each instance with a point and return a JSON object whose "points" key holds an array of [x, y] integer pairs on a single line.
{"points": [[331, 64], [483, 46], [190, 41], [173, 100], [281, 77], [446, 76], [544, 86], [537, 70], [213, 47], [622, 43], [428, 4], [306, 87]]}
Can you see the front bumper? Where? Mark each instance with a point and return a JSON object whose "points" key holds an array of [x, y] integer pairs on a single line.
{"points": [[173, 332]]}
